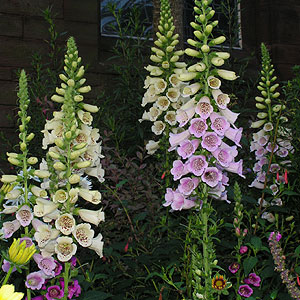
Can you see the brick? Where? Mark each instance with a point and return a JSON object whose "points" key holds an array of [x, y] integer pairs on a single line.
{"points": [[8, 93], [17, 53], [84, 33], [11, 25], [8, 116], [24, 7], [84, 11]]}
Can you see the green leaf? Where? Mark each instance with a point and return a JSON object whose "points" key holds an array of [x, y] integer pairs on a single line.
{"points": [[274, 295], [92, 295], [290, 193], [122, 182], [297, 270], [256, 242], [297, 250], [267, 272], [249, 263]]}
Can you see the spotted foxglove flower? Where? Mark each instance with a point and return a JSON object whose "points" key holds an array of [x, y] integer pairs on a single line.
{"points": [[83, 234], [46, 264], [97, 245], [91, 216], [65, 248], [65, 224], [24, 215], [9, 228]]}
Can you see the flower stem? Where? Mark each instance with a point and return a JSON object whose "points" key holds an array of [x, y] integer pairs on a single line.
{"points": [[8, 274], [66, 280]]}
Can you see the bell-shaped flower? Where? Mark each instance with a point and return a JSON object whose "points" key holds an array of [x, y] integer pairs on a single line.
{"points": [[176, 139], [83, 234], [65, 224], [90, 196], [163, 103], [175, 81], [9, 228], [35, 280], [44, 233], [213, 82], [198, 127], [211, 176], [24, 215], [44, 207], [187, 148], [38, 192], [65, 248], [173, 94], [178, 170], [234, 135], [223, 156], [221, 99], [97, 245], [158, 127], [154, 113], [46, 264], [204, 108], [8, 178], [60, 196], [211, 141], [219, 124], [187, 185], [229, 115], [170, 117], [236, 167], [160, 85], [91, 216], [184, 115], [197, 164], [9, 209], [85, 117], [152, 146], [13, 194]]}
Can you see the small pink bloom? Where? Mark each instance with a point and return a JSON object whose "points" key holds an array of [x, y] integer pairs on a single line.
{"points": [[24, 215], [211, 141], [223, 156], [197, 164], [243, 249], [9, 228], [253, 279], [187, 185], [234, 135], [169, 197], [219, 124], [245, 291], [204, 108], [198, 127], [211, 176], [234, 267], [187, 148], [46, 264], [236, 167], [179, 169], [176, 139]]}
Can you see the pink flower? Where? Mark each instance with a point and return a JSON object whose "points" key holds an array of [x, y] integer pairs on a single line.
{"points": [[252, 279], [204, 108], [243, 249], [179, 169], [223, 156], [28, 241], [234, 267], [211, 176], [236, 167], [187, 185], [169, 197], [74, 289], [234, 135], [58, 268], [211, 141], [9, 228], [187, 148], [24, 215], [270, 147], [197, 164], [245, 291], [35, 280], [54, 292], [176, 139], [219, 124], [46, 264], [183, 116], [198, 127], [229, 115], [6, 266]]}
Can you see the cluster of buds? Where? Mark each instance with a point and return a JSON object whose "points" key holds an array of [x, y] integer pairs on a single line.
{"points": [[272, 143], [208, 138], [164, 88], [279, 261], [238, 212]]}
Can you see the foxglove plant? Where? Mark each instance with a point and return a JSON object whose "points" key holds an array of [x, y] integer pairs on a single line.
{"points": [[164, 89], [272, 142], [207, 145], [73, 152]]}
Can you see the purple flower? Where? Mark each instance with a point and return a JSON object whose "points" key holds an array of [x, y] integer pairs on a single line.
{"points": [[35, 280], [198, 127], [236, 167], [24, 215], [179, 169], [46, 264], [211, 176], [243, 249], [9, 228], [187, 148], [28, 241], [274, 168], [260, 152], [278, 236], [73, 261], [223, 156], [187, 185], [58, 268], [197, 164], [176, 139], [253, 279], [183, 116], [263, 161], [270, 146], [219, 124], [282, 152], [169, 197], [54, 292], [234, 267], [6, 266], [262, 140], [203, 108], [245, 290], [211, 141], [234, 135], [74, 289]]}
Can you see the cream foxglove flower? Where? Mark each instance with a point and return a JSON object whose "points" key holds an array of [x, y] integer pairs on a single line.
{"points": [[44, 207], [154, 113], [42, 173], [65, 248], [158, 127], [74, 178], [97, 172], [92, 216], [73, 195], [175, 81], [44, 233], [9, 209], [97, 245], [228, 75], [160, 85], [65, 224], [173, 94], [83, 234], [163, 103], [90, 108], [213, 82], [85, 117], [24, 215], [152, 146], [38, 192], [170, 117], [9, 178], [13, 194], [60, 196]]}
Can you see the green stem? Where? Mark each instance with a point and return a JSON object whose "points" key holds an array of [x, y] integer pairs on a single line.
{"points": [[187, 255], [205, 250], [8, 274], [66, 280]]}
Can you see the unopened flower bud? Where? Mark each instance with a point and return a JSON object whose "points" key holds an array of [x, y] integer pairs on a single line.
{"points": [[192, 52], [276, 95], [9, 178], [195, 26], [264, 93], [187, 76], [268, 101], [78, 98], [260, 106], [74, 178], [54, 155], [60, 91], [68, 135], [205, 49], [276, 108], [32, 160], [59, 166], [208, 29], [23, 146], [192, 42], [237, 231], [14, 161], [59, 143], [198, 34], [258, 124], [41, 173], [71, 82], [21, 128], [259, 99], [262, 115], [165, 64], [245, 232], [28, 119], [63, 77], [290, 218], [84, 89], [80, 72], [82, 164], [228, 75], [57, 99], [74, 64], [155, 58], [217, 61]]}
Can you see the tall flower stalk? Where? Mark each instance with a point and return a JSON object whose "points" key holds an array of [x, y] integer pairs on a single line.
{"points": [[272, 143], [164, 89], [206, 146]]}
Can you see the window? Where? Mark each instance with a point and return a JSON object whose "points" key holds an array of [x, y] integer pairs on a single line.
{"points": [[227, 12]]}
